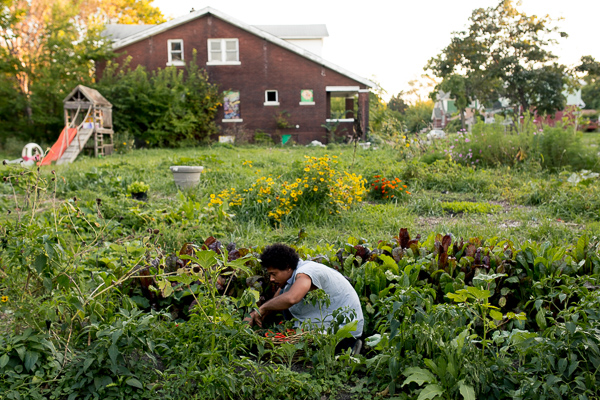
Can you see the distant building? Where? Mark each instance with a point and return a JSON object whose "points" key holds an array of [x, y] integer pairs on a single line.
{"points": [[445, 110], [263, 71]]}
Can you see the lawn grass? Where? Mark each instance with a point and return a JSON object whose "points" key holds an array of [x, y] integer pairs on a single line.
{"points": [[84, 262], [238, 167]]}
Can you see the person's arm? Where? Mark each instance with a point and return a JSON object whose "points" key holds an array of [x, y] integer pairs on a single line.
{"points": [[285, 300]]}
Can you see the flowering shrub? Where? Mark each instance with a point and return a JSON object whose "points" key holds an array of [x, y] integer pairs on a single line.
{"points": [[317, 188], [383, 188]]}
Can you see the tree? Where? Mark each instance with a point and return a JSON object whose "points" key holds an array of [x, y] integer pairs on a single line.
{"points": [[504, 54], [166, 107], [46, 48], [590, 92], [418, 115], [397, 103]]}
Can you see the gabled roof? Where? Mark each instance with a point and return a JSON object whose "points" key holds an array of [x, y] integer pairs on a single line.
{"points": [[92, 95], [318, 31], [155, 30], [121, 31]]}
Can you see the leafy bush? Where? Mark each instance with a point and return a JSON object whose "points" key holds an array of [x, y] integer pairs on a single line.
{"points": [[315, 188], [498, 144], [560, 147], [167, 107], [138, 187]]}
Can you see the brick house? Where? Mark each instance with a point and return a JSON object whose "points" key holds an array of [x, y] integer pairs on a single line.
{"points": [[262, 71]]}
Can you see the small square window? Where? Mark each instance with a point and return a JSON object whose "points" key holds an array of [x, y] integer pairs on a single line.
{"points": [[271, 98], [175, 48]]}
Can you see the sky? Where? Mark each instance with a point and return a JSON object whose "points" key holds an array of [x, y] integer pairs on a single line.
{"points": [[390, 41]]}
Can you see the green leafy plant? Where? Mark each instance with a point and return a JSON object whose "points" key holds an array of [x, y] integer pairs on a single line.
{"points": [[138, 187], [458, 207]]}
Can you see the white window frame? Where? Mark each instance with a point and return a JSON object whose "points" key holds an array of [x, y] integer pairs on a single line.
{"points": [[172, 62], [271, 103], [224, 51]]}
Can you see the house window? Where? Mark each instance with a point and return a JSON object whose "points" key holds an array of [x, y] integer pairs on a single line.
{"points": [[175, 47], [271, 98], [231, 107], [223, 52]]}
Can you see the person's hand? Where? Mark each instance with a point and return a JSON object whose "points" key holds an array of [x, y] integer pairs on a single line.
{"points": [[254, 318]]}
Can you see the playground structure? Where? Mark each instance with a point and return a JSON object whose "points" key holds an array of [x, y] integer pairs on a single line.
{"points": [[87, 114]]}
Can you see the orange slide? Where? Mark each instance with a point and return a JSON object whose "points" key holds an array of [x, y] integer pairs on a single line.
{"points": [[60, 146]]}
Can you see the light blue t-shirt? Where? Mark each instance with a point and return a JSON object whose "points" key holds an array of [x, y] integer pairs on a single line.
{"points": [[341, 294]]}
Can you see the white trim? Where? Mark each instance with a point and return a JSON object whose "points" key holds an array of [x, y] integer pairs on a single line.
{"points": [[146, 33], [342, 88], [340, 120], [177, 63], [224, 63], [312, 103], [364, 90], [223, 45], [170, 55], [272, 103], [232, 120]]}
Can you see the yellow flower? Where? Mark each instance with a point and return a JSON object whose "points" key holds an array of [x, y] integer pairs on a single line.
{"points": [[4, 299], [212, 196], [407, 145], [315, 188], [307, 169]]}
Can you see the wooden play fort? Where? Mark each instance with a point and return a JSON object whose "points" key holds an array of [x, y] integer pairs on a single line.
{"points": [[87, 115]]}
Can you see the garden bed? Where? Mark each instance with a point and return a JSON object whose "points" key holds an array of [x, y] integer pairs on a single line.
{"points": [[98, 286]]}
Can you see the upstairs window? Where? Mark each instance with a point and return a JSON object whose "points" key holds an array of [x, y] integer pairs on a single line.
{"points": [[271, 98], [175, 47], [223, 51]]}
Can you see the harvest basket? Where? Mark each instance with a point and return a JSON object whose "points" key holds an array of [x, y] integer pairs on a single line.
{"points": [[274, 339]]}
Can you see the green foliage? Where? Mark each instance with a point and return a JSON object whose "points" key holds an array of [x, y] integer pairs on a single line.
{"points": [[166, 107], [138, 187], [457, 207], [552, 148], [503, 54], [590, 92], [44, 65], [418, 116], [101, 296]]}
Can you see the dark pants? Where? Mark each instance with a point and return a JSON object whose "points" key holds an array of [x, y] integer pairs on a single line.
{"points": [[345, 344]]}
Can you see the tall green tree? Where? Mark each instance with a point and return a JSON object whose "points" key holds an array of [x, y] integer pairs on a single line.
{"points": [[397, 103], [46, 48], [504, 53], [166, 107], [590, 92]]}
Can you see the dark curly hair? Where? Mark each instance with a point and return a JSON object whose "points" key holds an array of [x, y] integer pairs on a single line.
{"points": [[279, 256]]}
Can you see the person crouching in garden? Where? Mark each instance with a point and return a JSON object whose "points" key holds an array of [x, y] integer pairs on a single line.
{"points": [[295, 279]]}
